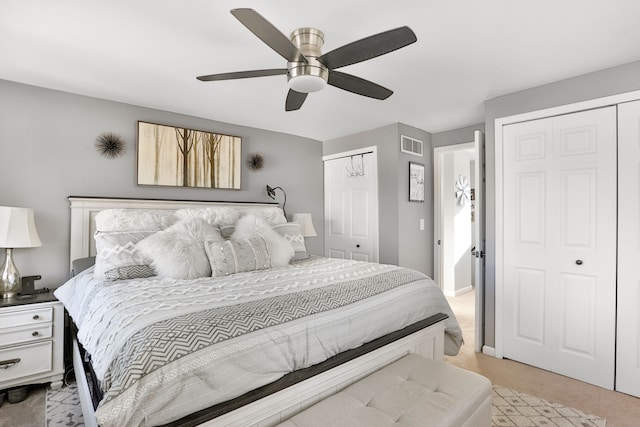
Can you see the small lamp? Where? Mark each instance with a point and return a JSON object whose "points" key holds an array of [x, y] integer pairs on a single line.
{"points": [[271, 192], [306, 224], [17, 230]]}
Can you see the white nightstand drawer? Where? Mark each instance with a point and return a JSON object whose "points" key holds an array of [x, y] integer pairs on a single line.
{"points": [[25, 334], [26, 317], [16, 362]]}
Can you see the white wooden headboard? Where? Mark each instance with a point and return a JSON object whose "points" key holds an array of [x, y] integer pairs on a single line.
{"points": [[84, 210]]}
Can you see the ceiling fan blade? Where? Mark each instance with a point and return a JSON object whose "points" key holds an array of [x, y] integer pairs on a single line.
{"points": [[243, 74], [269, 34], [294, 100], [368, 48], [357, 85]]}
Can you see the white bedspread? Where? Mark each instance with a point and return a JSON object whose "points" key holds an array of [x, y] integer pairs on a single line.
{"points": [[117, 319]]}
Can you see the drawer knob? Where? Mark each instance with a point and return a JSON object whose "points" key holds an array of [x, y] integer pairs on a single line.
{"points": [[6, 364], [36, 317], [35, 333]]}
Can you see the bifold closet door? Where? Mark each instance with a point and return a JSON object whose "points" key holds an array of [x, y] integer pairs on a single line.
{"points": [[560, 244], [628, 342]]}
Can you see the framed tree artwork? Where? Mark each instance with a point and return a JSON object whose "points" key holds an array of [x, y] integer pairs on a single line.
{"points": [[181, 157], [416, 182]]}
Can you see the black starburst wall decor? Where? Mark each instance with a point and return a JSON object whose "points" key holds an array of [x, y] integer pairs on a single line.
{"points": [[110, 145], [255, 161]]}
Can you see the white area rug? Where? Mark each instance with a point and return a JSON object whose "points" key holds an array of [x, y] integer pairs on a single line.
{"points": [[512, 408], [62, 407]]}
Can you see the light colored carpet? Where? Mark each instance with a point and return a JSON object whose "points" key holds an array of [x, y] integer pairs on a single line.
{"points": [[510, 408]]}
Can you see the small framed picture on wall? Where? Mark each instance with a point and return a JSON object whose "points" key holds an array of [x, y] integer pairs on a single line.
{"points": [[416, 182]]}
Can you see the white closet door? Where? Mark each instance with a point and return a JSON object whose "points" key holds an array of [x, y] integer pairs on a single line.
{"points": [[628, 343], [351, 207], [560, 240]]}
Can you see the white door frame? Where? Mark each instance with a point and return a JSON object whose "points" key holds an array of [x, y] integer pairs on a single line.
{"points": [[498, 351], [438, 216], [365, 150]]}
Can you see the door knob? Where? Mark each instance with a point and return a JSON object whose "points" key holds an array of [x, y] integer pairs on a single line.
{"points": [[579, 261], [357, 246]]}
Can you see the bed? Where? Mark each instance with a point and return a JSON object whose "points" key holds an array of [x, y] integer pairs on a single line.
{"points": [[246, 345]]}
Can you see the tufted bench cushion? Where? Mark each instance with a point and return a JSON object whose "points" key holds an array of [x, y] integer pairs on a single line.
{"points": [[412, 392]]}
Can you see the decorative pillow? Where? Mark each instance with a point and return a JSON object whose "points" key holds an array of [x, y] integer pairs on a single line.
{"points": [[291, 231], [134, 220], [219, 216], [235, 256], [273, 216], [118, 258], [178, 251], [250, 226]]}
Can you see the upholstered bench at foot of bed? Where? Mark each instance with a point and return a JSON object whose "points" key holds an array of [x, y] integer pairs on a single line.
{"points": [[410, 392]]}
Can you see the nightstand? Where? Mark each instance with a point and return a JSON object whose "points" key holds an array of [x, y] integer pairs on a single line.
{"points": [[31, 341]]}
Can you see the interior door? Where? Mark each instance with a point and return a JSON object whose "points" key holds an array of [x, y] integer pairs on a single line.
{"points": [[628, 342], [559, 244], [351, 207]]}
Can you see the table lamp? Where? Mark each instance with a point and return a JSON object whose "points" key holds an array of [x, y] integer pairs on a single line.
{"points": [[17, 230], [306, 224]]}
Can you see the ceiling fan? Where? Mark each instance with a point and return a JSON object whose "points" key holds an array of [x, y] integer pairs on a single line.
{"points": [[308, 69]]}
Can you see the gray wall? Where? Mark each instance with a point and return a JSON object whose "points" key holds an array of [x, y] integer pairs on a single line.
{"points": [[612, 81], [400, 241], [47, 153], [415, 246]]}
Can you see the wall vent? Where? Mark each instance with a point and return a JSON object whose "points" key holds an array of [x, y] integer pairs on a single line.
{"points": [[410, 145]]}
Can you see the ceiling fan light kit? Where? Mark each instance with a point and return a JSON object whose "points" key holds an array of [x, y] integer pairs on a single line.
{"points": [[308, 69], [310, 76]]}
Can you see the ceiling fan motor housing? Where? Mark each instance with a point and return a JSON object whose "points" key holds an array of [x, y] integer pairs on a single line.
{"points": [[311, 76]]}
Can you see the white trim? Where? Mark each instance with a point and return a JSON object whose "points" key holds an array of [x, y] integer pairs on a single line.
{"points": [[459, 292], [489, 351], [499, 214], [356, 152]]}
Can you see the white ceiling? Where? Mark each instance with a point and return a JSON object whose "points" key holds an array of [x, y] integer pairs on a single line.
{"points": [[148, 53]]}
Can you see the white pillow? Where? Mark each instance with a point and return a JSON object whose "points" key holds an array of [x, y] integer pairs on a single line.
{"points": [[178, 251], [272, 216], [280, 249], [220, 216], [134, 220]]}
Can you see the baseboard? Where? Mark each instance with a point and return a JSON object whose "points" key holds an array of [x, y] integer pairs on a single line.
{"points": [[489, 351], [458, 292]]}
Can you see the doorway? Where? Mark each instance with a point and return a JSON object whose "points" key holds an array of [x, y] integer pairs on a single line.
{"points": [[458, 231]]}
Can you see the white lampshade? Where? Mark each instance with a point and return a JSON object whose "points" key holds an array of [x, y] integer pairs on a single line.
{"points": [[306, 224], [18, 228]]}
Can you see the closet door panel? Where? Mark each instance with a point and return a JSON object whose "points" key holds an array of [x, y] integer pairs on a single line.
{"points": [[528, 251], [559, 244], [628, 335], [585, 308]]}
